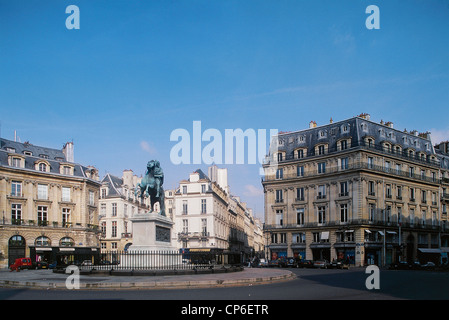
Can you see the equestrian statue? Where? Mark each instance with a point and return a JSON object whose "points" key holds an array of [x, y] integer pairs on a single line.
{"points": [[151, 186]]}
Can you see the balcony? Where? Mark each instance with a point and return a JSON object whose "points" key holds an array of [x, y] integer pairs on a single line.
{"points": [[356, 146], [192, 235], [435, 225]]}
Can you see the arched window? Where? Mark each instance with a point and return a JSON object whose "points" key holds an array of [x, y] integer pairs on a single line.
{"points": [[16, 241], [66, 242], [42, 241]]}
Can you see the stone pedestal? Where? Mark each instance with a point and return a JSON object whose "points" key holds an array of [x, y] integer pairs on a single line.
{"points": [[152, 247], [151, 231]]}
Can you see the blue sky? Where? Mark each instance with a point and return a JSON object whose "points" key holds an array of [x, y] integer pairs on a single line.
{"points": [[137, 70]]}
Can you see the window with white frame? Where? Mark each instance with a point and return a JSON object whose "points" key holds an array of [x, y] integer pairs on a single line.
{"points": [[91, 198], [203, 206], [65, 194], [321, 214], [42, 192], [184, 207], [114, 229], [372, 212], [16, 213], [344, 212], [300, 194], [42, 215], [16, 188], [279, 217], [65, 217], [322, 167], [300, 216]]}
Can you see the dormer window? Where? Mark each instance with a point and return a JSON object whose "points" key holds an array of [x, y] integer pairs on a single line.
{"points": [[66, 169], [364, 127], [16, 161], [10, 149], [42, 166], [322, 134], [27, 153]]}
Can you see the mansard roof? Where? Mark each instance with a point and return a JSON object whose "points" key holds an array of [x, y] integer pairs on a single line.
{"points": [[54, 157], [357, 129]]}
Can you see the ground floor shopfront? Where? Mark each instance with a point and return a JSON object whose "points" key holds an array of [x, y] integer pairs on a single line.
{"points": [[47, 244], [360, 246]]}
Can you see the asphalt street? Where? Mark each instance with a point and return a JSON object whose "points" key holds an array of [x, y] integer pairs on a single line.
{"points": [[307, 284]]}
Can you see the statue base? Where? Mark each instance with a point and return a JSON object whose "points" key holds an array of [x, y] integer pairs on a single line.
{"points": [[151, 231], [152, 245]]}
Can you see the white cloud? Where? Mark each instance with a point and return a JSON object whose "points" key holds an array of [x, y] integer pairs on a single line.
{"points": [[252, 191], [145, 146], [438, 136]]}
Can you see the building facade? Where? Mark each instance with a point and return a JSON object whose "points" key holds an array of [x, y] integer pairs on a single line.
{"points": [[49, 204], [209, 219], [354, 190], [118, 204]]}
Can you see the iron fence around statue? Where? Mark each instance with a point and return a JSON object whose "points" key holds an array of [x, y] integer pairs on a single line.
{"points": [[150, 260]]}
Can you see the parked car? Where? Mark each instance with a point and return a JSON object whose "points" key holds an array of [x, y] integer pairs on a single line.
{"points": [[87, 263], [336, 264], [263, 263], [428, 266], [322, 264], [40, 265], [305, 264], [21, 263], [52, 265], [401, 265], [291, 262], [283, 263], [273, 263]]}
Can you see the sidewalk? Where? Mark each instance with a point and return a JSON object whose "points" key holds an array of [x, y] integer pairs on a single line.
{"points": [[47, 279]]}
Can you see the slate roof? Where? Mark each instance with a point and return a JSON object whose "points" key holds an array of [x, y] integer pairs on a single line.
{"points": [[113, 183], [357, 129], [53, 156]]}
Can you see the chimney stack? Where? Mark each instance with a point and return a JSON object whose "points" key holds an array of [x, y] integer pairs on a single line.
{"points": [[68, 152]]}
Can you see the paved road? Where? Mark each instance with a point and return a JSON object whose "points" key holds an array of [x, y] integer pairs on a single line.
{"points": [[309, 284]]}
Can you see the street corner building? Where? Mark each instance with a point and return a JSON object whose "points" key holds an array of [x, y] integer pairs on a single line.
{"points": [[358, 191], [48, 204]]}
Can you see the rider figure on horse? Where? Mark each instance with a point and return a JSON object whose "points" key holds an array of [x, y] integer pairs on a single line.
{"points": [[158, 174]]}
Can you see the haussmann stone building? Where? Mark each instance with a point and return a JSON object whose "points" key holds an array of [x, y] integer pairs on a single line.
{"points": [[358, 191], [48, 204]]}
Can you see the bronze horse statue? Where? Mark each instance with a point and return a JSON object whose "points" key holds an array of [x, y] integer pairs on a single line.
{"points": [[151, 186]]}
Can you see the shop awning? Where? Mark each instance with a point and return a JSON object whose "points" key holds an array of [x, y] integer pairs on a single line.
{"points": [[426, 250], [199, 250], [381, 233], [367, 231]]}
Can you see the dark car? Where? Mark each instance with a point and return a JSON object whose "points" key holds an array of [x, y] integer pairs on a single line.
{"points": [[305, 264], [40, 265], [401, 265], [292, 262], [336, 264], [428, 266]]}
